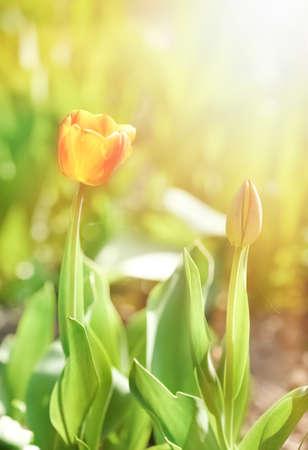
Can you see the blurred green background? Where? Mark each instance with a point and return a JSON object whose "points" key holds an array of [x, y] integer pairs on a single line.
{"points": [[217, 91]]}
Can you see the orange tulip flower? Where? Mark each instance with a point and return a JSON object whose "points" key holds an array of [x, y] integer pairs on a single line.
{"points": [[91, 146]]}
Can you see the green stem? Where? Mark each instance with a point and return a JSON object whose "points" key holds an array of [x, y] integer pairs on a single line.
{"points": [[239, 264], [77, 306], [71, 301]]}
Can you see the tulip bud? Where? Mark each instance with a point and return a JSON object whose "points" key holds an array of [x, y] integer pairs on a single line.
{"points": [[244, 221], [91, 146]]}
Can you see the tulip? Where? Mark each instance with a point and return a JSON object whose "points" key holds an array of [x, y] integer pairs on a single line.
{"points": [[244, 221], [91, 146], [243, 226]]}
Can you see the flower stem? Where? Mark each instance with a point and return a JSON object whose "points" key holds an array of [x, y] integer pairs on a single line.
{"points": [[77, 310], [71, 301], [235, 307]]}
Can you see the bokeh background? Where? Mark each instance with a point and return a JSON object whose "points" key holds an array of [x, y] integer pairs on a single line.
{"points": [[217, 91]]}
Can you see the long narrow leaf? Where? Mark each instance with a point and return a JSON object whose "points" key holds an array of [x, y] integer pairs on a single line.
{"points": [[74, 392], [273, 428], [39, 391], [200, 336], [34, 334], [95, 419], [159, 402], [181, 418], [104, 318], [209, 382], [169, 352]]}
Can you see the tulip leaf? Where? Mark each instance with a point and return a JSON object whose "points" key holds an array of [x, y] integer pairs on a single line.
{"points": [[169, 352], [39, 391], [120, 403], [159, 401], [126, 417], [138, 429], [161, 447], [34, 334], [168, 343], [200, 336], [123, 411], [136, 336], [134, 433], [104, 318], [209, 382], [201, 435], [273, 428], [95, 418], [82, 445], [74, 392], [187, 425]]}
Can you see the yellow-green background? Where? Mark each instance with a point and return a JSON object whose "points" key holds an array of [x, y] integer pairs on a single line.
{"points": [[217, 91]]}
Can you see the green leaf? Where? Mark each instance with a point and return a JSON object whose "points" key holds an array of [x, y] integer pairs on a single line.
{"points": [[168, 340], [160, 447], [95, 419], [39, 391], [136, 336], [82, 445], [104, 318], [200, 336], [34, 334], [123, 411], [168, 336], [209, 382], [273, 428], [201, 435], [120, 403], [159, 402], [126, 417], [135, 432], [74, 392], [138, 429], [71, 285], [175, 335], [181, 418]]}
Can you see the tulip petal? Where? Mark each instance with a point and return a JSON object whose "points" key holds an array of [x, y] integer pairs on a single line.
{"points": [[89, 157], [129, 130], [67, 150], [101, 123], [107, 125], [64, 126], [254, 216], [114, 150], [83, 119], [244, 221]]}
